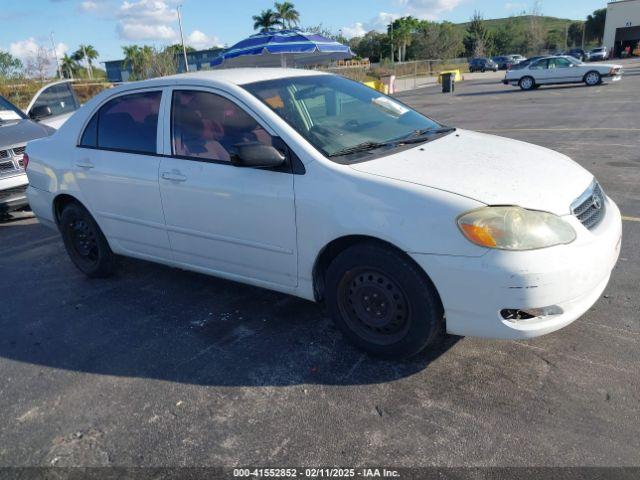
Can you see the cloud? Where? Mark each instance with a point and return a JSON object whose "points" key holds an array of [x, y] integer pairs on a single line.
{"points": [[147, 20], [424, 9], [201, 41], [27, 49], [515, 6], [379, 23]]}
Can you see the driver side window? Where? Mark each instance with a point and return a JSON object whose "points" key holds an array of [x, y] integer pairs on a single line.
{"points": [[207, 126], [539, 65]]}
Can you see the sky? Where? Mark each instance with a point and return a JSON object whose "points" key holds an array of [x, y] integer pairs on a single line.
{"points": [[110, 24]]}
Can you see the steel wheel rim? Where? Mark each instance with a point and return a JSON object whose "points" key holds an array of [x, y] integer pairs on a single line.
{"points": [[374, 306], [84, 241], [592, 78], [527, 83]]}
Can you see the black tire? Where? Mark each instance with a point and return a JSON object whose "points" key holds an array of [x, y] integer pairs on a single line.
{"points": [[527, 83], [592, 78], [85, 243], [382, 302], [482, 69]]}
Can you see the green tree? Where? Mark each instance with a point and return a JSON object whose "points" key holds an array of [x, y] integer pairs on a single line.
{"points": [[266, 20], [401, 32], [286, 14], [595, 25], [69, 66], [9, 65], [575, 33], [505, 38], [370, 46], [435, 40], [477, 40]]}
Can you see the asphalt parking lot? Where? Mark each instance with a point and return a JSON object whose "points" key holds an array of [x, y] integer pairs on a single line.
{"points": [[161, 367]]}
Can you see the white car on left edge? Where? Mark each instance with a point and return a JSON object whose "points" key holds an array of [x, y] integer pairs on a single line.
{"points": [[49, 108], [558, 70], [320, 187]]}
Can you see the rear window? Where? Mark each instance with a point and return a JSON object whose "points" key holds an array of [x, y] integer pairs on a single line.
{"points": [[127, 123]]}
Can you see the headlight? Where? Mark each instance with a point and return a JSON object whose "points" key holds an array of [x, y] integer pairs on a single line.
{"points": [[515, 228]]}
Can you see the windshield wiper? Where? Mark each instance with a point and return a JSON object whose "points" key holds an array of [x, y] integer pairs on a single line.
{"points": [[361, 147], [417, 136]]}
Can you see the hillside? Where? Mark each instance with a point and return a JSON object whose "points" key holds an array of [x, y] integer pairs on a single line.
{"points": [[548, 23]]}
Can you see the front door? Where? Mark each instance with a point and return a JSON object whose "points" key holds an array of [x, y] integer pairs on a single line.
{"points": [[116, 167], [232, 221]]}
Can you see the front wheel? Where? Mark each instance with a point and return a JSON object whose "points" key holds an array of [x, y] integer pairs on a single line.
{"points": [[85, 243], [382, 302], [527, 83], [592, 78]]}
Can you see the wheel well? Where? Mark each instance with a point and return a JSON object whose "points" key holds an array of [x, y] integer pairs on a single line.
{"points": [[337, 246], [60, 202]]}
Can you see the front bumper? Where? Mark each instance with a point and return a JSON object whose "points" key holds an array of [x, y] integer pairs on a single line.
{"points": [[13, 193], [475, 289]]}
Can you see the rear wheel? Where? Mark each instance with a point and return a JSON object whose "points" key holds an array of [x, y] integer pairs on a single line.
{"points": [[383, 302], [592, 78], [85, 243], [527, 83]]}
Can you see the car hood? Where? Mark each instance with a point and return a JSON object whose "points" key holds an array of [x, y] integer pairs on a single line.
{"points": [[21, 131], [490, 169]]}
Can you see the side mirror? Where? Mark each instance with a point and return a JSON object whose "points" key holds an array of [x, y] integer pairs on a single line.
{"points": [[257, 155], [40, 111]]}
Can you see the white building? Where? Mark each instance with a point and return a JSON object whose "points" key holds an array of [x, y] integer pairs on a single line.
{"points": [[622, 28]]}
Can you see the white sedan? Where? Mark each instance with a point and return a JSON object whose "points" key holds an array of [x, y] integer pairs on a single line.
{"points": [[557, 70], [320, 187]]}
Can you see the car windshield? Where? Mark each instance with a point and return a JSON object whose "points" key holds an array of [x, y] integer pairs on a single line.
{"points": [[343, 119], [8, 111]]}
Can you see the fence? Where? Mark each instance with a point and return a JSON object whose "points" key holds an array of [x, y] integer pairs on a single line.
{"points": [[408, 74]]}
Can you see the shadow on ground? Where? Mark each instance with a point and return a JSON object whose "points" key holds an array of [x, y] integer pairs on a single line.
{"points": [[157, 322]]}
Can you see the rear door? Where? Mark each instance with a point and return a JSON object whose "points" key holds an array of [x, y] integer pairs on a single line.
{"points": [[539, 71], [232, 221], [116, 166]]}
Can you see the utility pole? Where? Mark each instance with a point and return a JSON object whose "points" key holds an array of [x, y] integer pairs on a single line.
{"points": [[184, 49], [55, 55], [584, 31], [392, 41], [566, 37]]}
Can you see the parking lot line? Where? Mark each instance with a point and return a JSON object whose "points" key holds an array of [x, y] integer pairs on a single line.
{"points": [[630, 219], [562, 129]]}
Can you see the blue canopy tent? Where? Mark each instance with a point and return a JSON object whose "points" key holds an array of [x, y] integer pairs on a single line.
{"points": [[282, 48]]}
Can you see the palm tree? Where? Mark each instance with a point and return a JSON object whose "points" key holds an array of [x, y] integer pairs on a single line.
{"points": [[267, 19], [69, 66], [88, 53], [287, 14]]}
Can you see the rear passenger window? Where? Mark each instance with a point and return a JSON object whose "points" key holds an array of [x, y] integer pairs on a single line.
{"points": [[128, 123]]}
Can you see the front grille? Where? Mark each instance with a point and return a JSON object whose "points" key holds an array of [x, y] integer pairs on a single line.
{"points": [[19, 150], [590, 206], [4, 153], [7, 166]]}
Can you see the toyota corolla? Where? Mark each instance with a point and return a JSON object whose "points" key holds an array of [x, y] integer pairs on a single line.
{"points": [[319, 187]]}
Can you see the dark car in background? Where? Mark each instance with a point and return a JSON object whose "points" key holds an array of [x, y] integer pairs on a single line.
{"points": [[503, 62], [578, 53], [482, 65]]}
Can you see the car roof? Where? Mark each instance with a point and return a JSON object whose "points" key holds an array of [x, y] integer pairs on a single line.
{"points": [[234, 76]]}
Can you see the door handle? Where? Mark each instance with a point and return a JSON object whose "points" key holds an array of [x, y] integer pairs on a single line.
{"points": [[174, 176], [84, 164]]}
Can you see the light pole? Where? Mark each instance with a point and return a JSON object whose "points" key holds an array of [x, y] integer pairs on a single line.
{"points": [[184, 49], [55, 55]]}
